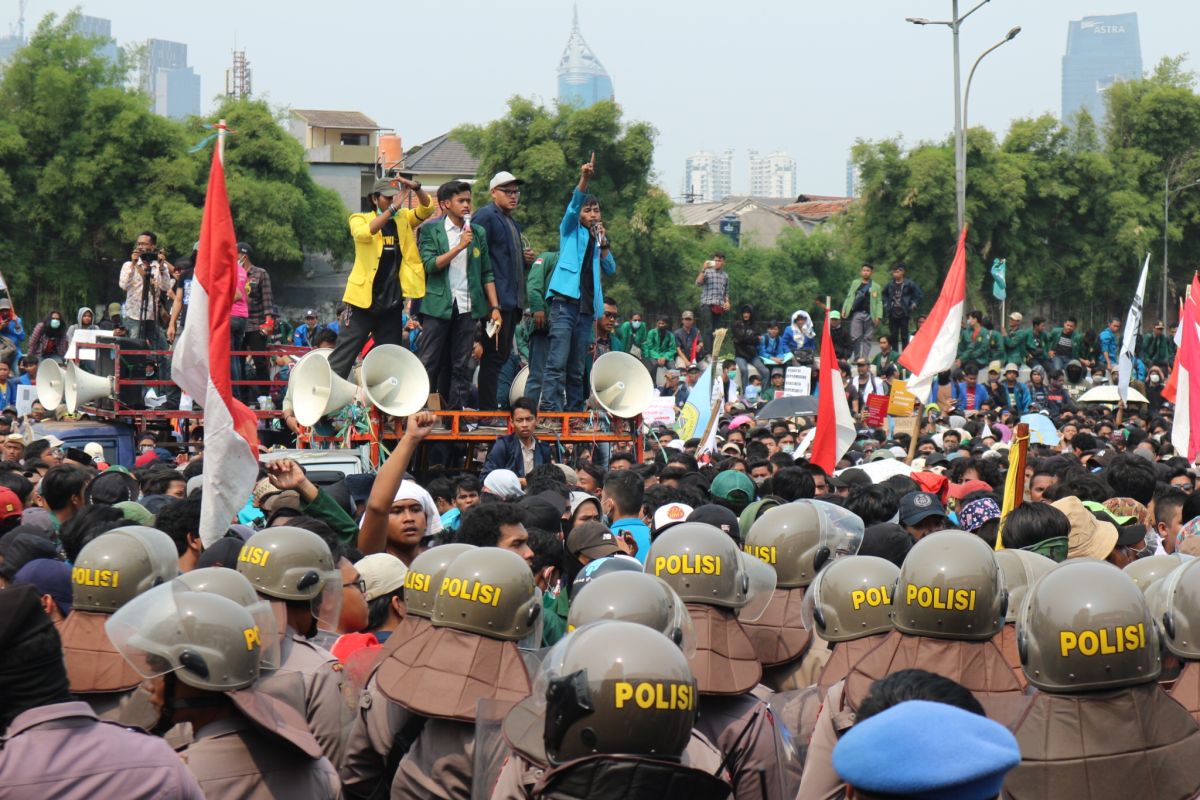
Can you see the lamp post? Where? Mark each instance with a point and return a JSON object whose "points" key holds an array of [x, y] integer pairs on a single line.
{"points": [[1008, 37], [960, 153]]}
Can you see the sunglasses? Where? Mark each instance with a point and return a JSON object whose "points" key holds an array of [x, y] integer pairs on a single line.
{"points": [[610, 315]]}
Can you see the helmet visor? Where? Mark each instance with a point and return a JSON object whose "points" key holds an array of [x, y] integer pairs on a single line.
{"points": [[133, 626], [533, 639], [758, 577], [264, 618], [327, 604], [842, 531]]}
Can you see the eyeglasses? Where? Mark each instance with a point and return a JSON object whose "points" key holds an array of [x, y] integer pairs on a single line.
{"points": [[610, 315], [359, 584], [510, 192]]}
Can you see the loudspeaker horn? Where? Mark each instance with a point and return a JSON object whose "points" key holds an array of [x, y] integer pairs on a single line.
{"points": [[82, 387], [518, 385], [621, 385], [51, 383], [317, 390], [394, 380]]}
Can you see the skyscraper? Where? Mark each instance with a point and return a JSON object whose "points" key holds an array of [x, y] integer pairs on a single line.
{"points": [[1100, 52], [772, 175], [102, 29], [167, 78], [582, 80], [707, 177], [853, 178]]}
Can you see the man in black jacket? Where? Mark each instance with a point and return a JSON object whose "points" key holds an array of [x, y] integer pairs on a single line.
{"points": [[745, 345], [900, 300], [519, 451]]}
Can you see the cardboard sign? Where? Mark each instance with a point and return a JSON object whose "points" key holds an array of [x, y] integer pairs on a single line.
{"points": [[661, 410], [77, 347], [877, 408], [26, 394], [909, 425], [797, 382], [901, 402]]}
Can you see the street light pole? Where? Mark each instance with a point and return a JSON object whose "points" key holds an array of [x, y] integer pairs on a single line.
{"points": [[1008, 37]]}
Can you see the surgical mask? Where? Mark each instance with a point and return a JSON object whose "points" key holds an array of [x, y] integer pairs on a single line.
{"points": [[732, 373], [759, 480], [635, 324], [56, 324], [787, 448], [146, 448], [1156, 378]]}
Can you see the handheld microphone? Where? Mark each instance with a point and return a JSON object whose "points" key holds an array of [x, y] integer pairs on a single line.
{"points": [[601, 239], [467, 221]]}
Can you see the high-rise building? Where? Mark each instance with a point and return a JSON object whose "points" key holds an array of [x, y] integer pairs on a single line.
{"points": [[1100, 52], [582, 79], [772, 175], [167, 78], [853, 178], [102, 29], [708, 177]]}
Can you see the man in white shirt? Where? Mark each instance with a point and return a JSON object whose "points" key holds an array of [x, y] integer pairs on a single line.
{"points": [[144, 278]]}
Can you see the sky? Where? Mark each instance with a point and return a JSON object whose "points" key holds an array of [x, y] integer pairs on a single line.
{"points": [[809, 78]]}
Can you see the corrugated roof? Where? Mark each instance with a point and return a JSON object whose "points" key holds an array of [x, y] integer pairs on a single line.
{"points": [[355, 120], [692, 215], [813, 208], [441, 155]]}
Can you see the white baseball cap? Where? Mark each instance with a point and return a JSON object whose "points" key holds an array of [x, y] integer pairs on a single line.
{"points": [[383, 573], [671, 514], [502, 178], [94, 449]]}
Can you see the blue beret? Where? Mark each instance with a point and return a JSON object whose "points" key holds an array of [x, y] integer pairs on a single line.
{"points": [[927, 751]]}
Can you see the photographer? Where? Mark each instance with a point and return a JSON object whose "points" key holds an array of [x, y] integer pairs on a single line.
{"points": [[145, 277]]}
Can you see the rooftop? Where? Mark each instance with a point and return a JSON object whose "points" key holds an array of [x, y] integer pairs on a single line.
{"points": [[347, 120], [441, 155], [817, 207], [691, 215]]}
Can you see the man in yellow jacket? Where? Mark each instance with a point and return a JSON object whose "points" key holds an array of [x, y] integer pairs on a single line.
{"points": [[387, 269]]}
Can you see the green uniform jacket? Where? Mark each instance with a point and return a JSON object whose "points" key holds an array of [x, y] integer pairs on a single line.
{"points": [[995, 346], [439, 301], [1077, 347], [876, 299], [631, 337], [1019, 346], [539, 278], [976, 349], [1158, 349], [659, 347], [326, 509]]}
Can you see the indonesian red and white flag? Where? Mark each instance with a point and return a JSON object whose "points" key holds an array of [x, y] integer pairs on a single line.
{"points": [[200, 366], [835, 423], [934, 347], [1185, 306], [1185, 431]]}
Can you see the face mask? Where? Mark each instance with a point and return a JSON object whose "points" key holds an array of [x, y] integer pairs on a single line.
{"points": [[55, 324], [759, 480], [146, 448], [732, 373], [635, 324], [787, 448], [1156, 378]]}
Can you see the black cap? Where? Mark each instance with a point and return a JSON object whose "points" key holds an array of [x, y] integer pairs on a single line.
{"points": [[719, 517], [887, 540], [592, 539], [917, 506], [855, 477], [245, 248]]}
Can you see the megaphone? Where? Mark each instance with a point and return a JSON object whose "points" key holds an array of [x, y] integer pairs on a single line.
{"points": [[51, 383], [395, 380], [83, 387], [621, 385], [316, 389], [518, 385]]}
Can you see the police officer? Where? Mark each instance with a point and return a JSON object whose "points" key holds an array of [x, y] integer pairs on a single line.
{"points": [[1146, 571], [621, 596], [111, 570], [1021, 570], [1099, 726], [294, 569], [620, 703], [205, 652], [716, 580], [948, 606], [378, 738], [486, 603], [1175, 605], [796, 540]]}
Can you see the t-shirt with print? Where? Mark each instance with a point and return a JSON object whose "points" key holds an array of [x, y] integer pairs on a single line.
{"points": [[385, 291]]}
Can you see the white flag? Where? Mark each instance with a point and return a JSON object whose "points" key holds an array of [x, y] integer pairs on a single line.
{"points": [[1133, 326]]}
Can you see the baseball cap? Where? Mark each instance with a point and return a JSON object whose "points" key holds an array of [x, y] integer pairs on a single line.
{"points": [[670, 514], [730, 481], [570, 474], [94, 449], [49, 576], [916, 506], [687, 315], [503, 178], [719, 517], [592, 539], [1011, 367], [10, 504], [382, 573], [312, 312], [388, 187], [776, 371], [113, 309], [693, 368], [1016, 315], [835, 315], [244, 248]]}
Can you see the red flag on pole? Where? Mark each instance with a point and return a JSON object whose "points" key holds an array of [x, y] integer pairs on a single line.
{"points": [[1185, 428], [835, 423], [200, 366], [934, 347]]}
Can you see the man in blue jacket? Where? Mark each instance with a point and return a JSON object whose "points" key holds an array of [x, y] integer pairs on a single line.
{"points": [[519, 451], [510, 258], [574, 296]]}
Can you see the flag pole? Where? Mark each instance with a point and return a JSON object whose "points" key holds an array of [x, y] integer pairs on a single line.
{"points": [[1014, 482], [221, 128]]}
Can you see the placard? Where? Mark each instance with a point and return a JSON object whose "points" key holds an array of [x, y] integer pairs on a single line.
{"points": [[877, 407], [76, 348], [26, 394], [660, 411], [901, 402], [797, 382]]}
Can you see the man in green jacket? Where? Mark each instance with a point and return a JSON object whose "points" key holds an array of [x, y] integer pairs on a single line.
{"points": [[1066, 343], [540, 273], [634, 333], [1019, 345], [1157, 347], [863, 307], [975, 344], [658, 353], [459, 290]]}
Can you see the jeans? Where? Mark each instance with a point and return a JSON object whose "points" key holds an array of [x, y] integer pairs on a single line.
{"points": [[255, 339], [539, 346], [862, 332], [570, 334], [152, 332], [237, 364], [898, 332], [744, 365], [708, 322], [445, 350]]}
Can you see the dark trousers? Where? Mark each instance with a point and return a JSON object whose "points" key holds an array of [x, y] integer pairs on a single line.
{"points": [[444, 347], [255, 339], [708, 322], [361, 323], [495, 353], [898, 332]]}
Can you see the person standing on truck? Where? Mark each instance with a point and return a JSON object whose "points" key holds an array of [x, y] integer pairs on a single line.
{"points": [[261, 321]]}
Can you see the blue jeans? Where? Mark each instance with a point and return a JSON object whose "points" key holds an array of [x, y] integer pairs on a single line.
{"points": [[539, 346], [570, 334], [744, 366]]}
